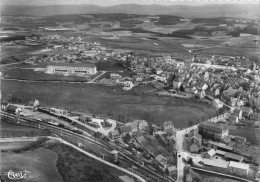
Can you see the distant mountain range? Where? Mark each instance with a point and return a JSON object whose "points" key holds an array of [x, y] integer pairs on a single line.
{"points": [[248, 11]]}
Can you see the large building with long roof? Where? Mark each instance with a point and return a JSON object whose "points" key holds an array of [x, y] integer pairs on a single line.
{"points": [[70, 69]]}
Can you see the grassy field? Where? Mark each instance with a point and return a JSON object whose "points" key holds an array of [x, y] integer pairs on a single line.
{"points": [[110, 101], [40, 162]]}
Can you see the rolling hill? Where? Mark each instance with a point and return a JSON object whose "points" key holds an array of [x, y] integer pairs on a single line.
{"points": [[248, 11]]}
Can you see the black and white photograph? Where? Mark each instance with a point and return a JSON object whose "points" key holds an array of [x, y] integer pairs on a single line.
{"points": [[130, 91]]}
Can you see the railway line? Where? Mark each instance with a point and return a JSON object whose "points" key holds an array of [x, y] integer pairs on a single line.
{"points": [[99, 148]]}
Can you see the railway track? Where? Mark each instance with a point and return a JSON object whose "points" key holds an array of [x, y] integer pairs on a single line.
{"points": [[99, 148]]}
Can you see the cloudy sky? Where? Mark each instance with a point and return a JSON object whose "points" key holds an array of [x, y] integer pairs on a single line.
{"points": [[116, 2]]}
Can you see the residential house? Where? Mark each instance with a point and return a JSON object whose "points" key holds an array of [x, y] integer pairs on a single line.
{"points": [[172, 170], [230, 92], [210, 154], [238, 168], [34, 103], [138, 126], [233, 101], [85, 119], [57, 111], [161, 160], [125, 129], [159, 71], [115, 76], [4, 105], [114, 135], [213, 131], [217, 104], [13, 109], [247, 112], [238, 112], [168, 127], [128, 138]]}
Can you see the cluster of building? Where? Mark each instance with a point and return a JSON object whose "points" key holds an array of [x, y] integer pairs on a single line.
{"points": [[217, 150]]}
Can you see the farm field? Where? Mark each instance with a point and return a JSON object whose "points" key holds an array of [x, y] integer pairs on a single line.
{"points": [[41, 163], [111, 101]]}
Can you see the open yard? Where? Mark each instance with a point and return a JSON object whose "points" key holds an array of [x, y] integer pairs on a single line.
{"points": [[112, 102], [41, 163]]}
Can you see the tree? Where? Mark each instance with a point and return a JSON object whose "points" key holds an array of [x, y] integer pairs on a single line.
{"points": [[97, 134], [191, 123]]}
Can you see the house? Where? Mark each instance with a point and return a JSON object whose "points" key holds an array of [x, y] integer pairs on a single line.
{"points": [[168, 127], [114, 135], [238, 168], [217, 104], [128, 85], [57, 111], [13, 109], [125, 129], [194, 141], [128, 139], [233, 101], [230, 92], [159, 71], [4, 105], [161, 160], [115, 76], [210, 154], [138, 126], [34, 103], [247, 111], [238, 113], [233, 157], [213, 131], [85, 119], [133, 125], [172, 170]]}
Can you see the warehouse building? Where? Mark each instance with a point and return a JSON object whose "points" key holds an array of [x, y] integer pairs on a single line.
{"points": [[238, 168], [67, 69]]}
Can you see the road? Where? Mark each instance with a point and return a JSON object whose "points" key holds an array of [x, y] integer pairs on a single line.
{"points": [[224, 45], [180, 155], [92, 81]]}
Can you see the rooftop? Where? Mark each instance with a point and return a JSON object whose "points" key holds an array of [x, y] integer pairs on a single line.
{"points": [[218, 127], [72, 65], [239, 165], [234, 156]]}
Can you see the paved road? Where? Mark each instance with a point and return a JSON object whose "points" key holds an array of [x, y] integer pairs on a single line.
{"points": [[180, 155], [224, 45]]}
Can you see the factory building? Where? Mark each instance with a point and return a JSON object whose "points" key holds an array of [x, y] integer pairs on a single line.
{"points": [[72, 69]]}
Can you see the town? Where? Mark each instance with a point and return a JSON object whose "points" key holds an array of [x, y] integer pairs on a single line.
{"points": [[225, 83], [119, 97]]}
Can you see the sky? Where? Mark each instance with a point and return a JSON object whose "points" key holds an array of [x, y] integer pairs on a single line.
{"points": [[117, 2]]}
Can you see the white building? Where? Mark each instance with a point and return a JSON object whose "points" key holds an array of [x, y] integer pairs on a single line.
{"points": [[72, 69], [238, 168]]}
